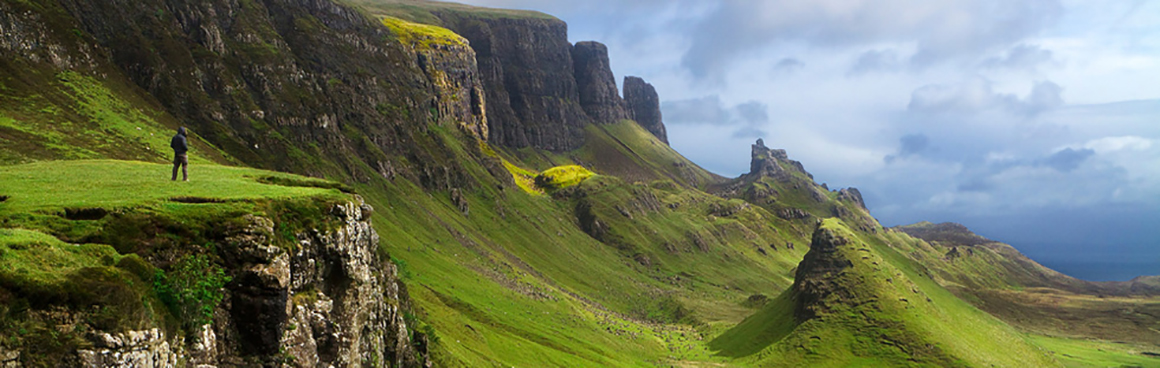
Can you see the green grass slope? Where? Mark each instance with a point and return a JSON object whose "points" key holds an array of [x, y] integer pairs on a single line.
{"points": [[46, 114], [998, 279], [858, 302], [518, 282]]}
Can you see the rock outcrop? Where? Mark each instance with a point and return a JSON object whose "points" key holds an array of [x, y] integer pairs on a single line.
{"points": [[851, 195], [815, 280], [768, 162], [644, 106], [330, 302], [526, 67], [598, 94]]}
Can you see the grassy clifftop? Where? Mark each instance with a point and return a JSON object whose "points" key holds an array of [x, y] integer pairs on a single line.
{"points": [[99, 241], [114, 184], [422, 11]]}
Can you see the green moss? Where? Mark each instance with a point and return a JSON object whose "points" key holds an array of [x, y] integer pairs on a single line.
{"points": [[422, 36]]}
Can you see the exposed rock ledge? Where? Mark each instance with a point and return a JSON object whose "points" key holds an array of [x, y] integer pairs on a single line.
{"points": [[330, 302]]}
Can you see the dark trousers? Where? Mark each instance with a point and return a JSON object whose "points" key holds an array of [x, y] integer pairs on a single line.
{"points": [[181, 161]]}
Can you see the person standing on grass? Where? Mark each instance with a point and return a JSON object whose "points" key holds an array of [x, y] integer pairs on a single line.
{"points": [[180, 146]]}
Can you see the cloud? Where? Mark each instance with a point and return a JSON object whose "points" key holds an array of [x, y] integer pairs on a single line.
{"points": [[749, 117], [910, 144], [706, 110], [1122, 143], [977, 95], [971, 96], [788, 65], [940, 30], [753, 112], [875, 61], [1067, 160], [1022, 56]]}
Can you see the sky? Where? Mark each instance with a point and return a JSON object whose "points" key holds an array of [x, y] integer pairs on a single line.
{"points": [[1032, 122]]}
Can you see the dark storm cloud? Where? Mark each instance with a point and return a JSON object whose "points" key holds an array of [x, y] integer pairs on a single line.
{"points": [[748, 117], [977, 95], [942, 29]]}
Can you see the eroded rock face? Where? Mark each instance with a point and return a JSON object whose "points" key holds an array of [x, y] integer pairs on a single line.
{"points": [[764, 161], [644, 106], [330, 302], [459, 96], [598, 94], [527, 69], [851, 195]]}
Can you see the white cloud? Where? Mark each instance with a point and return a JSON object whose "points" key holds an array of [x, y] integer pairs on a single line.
{"points": [[1113, 144]]}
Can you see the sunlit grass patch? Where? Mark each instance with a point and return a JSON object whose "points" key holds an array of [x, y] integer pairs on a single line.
{"points": [[561, 177], [422, 35]]}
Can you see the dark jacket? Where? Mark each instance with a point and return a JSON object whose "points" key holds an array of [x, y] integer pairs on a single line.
{"points": [[178, 143]]}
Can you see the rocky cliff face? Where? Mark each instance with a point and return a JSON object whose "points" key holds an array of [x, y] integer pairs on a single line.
{"points": [[598, 94], [644, 106], [527, 69], [327, 300], [331, 301], [459, 95]]}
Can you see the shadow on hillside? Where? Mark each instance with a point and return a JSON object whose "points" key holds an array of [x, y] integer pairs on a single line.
{"points": [[770, 324]]}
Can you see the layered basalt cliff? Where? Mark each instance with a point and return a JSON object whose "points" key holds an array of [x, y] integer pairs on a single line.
{"points": [[527, 70], [644, 106], [598, 95]]}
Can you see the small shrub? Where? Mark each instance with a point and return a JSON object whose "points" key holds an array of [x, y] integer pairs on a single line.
{"points": [[192, 289]]}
